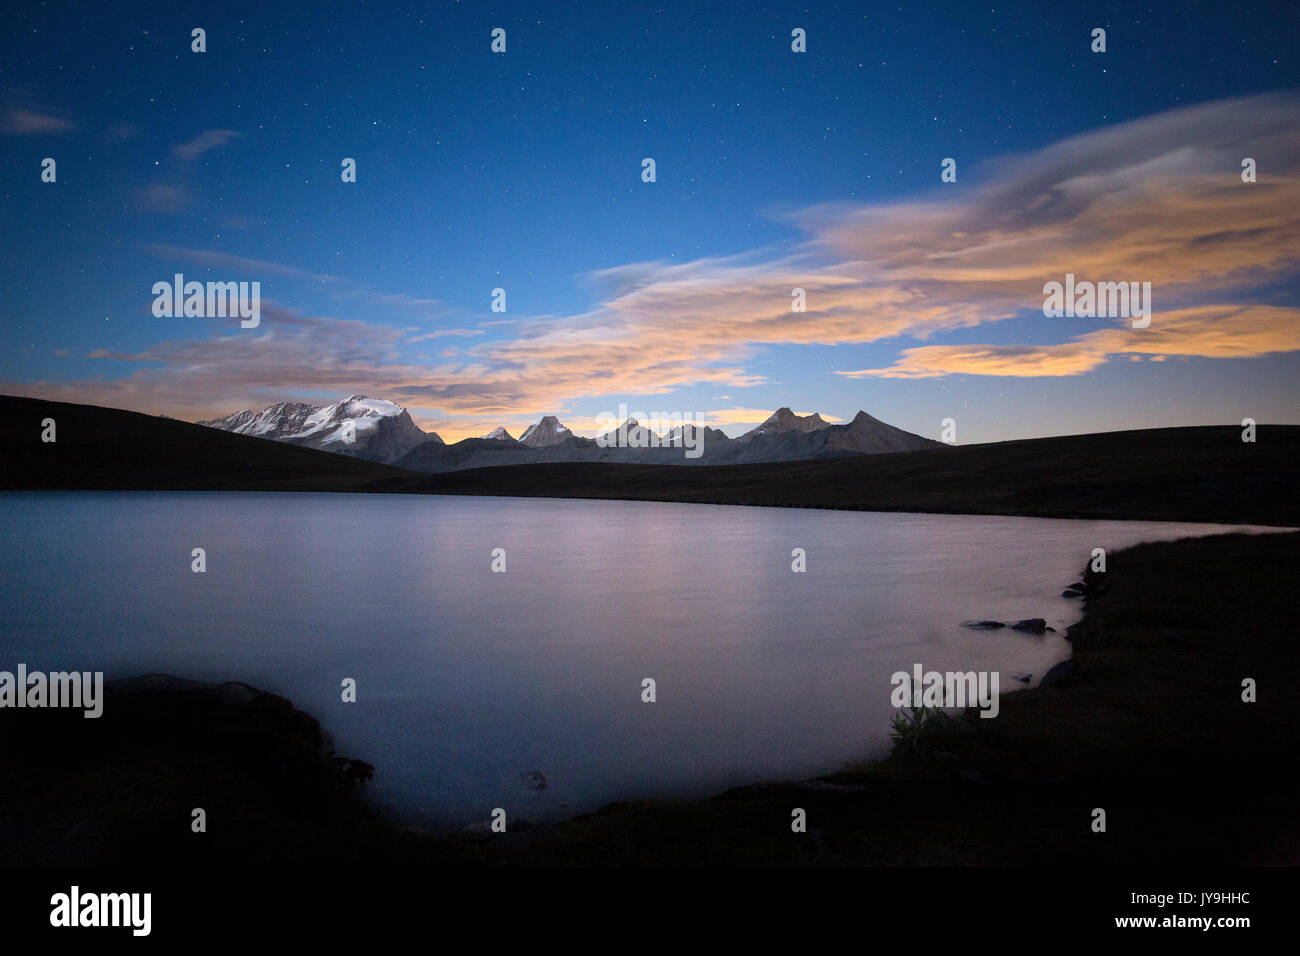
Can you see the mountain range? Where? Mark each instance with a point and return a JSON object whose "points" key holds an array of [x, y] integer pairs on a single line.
{"points": [[383, 431]]}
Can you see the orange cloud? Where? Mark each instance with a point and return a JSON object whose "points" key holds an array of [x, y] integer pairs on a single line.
{"points": [[1211, 331]]}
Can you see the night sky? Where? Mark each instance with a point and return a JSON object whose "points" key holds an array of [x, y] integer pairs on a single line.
{"points": [[774, 170]]}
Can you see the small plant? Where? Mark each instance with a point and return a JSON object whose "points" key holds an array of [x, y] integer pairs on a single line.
{"points": [[915, 729]]}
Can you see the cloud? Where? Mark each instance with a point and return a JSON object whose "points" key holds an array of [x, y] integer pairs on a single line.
{"points": [[1125, 182], [442, 333], [287, 356], [161, 197], [1022, 361], [1212, 331], [34, 122], [173, 196], [224, 260], [400, 300], [207, 140], [1159, 200]]}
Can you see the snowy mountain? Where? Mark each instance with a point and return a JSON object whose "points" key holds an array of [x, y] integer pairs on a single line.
{"points": [[548, 431], [274, 421], [498, 434], [358, 426]]}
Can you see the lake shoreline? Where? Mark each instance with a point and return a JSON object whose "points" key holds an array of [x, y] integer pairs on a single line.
{"points": [[1149, 727], [1191, 474]]}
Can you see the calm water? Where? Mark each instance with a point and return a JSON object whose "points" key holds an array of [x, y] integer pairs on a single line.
{"points": [[469, 680]]}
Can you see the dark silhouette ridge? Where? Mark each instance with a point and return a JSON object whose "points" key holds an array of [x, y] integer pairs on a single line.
{"points": [[1203, 473]]}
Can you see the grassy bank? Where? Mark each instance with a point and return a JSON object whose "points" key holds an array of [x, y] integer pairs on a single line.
{"points": [[1164, 474], [1152, 728]]}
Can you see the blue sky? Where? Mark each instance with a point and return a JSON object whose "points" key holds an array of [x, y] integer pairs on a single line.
{"points": [[774, 169]]}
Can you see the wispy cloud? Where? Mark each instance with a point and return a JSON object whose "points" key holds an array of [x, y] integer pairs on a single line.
{"points": [[290, 354], [224, 260], [444, 333], [207, 140], [173, 192], [20, 121], [162, 197], [395, 299]]}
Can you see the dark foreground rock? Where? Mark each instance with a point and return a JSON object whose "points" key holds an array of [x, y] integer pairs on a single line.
{"points": [[122, 788]]}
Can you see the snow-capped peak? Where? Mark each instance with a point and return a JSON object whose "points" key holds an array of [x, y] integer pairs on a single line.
{"points": [[357, 425], [547, 431]]}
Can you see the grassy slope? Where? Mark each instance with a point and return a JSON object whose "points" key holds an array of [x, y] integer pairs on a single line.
{"points": [[1182, 474], [106, 448], [1187, 474], [1154, 731]]}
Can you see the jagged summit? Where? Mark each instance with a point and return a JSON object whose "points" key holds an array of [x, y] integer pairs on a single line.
{"points": [[784, 420], [631, 430], [548, 431], [692, 433]]}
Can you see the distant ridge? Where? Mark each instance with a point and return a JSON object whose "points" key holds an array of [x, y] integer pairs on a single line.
{"points": [[784, 436], [1203, 473], [383, 431]]}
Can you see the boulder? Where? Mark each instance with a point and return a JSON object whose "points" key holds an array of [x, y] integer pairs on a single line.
{"points": [[1032, 625], [983, 625]]}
